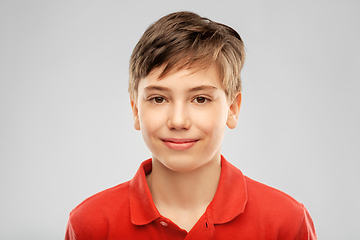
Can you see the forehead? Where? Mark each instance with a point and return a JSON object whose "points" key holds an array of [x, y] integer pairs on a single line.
{"points": [[185, 77]]}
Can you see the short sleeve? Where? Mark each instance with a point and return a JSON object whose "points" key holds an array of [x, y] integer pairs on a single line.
{"points": [[70, 233], [307, 229]]}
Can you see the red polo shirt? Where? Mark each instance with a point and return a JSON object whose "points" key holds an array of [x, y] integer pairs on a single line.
{"points": [[241, 209]]}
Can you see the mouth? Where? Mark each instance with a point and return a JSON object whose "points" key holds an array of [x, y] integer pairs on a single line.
{"points": [[179, 143]]}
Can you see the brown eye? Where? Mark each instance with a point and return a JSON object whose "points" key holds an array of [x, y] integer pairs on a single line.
{"points": [[200, 99], [159, 99]]}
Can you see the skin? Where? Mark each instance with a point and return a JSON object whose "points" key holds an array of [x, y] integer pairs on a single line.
{"points": [[182, 118]]}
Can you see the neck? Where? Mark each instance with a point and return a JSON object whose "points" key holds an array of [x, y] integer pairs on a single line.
{"points": [[183, 195]]}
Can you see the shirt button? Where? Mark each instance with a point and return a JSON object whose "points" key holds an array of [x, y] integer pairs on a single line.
{"points": [[163, 223]]}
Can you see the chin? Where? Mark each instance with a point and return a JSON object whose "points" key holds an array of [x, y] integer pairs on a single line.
{"points": [[181, 164]]}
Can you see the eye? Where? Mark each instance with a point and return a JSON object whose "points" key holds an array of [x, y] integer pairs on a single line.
{"points": [[201, 99], [157, 99]]}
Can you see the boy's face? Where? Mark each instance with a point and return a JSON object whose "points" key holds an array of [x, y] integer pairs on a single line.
{"points": [[183, 116]]}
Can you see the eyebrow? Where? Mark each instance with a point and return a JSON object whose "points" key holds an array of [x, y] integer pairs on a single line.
{"points": [[202, 88], [155, 87], [194, 89]]}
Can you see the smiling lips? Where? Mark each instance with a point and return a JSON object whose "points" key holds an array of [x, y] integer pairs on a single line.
{"points": [[179, 144]]}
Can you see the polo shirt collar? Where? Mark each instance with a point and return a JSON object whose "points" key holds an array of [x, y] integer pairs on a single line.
{"points": [[229, 200], [142, 207], [231, 195]]}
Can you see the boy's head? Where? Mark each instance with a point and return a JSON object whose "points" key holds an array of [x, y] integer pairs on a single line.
{"points": [[186, 40], [185, 88]]}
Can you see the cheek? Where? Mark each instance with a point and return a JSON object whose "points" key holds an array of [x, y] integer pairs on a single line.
{"points": [[212, 122], [150, 121]]}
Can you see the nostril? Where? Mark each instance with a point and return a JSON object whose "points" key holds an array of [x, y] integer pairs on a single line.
{"points": [[178, 123]]}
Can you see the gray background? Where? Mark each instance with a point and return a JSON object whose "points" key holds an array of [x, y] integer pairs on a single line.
{"points": [[66, 129]]}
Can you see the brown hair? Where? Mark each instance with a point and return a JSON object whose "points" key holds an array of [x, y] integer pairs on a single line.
{"points": [[184, 39]]}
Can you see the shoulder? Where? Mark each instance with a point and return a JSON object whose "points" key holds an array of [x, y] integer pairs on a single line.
{"points": [[102, 200], [270, 203], [97, 211], [255, 188], [282, 214], [272, 199]]}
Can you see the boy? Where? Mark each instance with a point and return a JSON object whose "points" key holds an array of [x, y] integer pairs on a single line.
{"points": [[184, 89]]}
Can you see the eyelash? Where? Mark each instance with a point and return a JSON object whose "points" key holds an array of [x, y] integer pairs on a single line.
{"points": [[196, 99], [153, 99], [205, 99]]}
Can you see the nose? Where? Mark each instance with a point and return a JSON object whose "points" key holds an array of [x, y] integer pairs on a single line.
{"points": [[178, 117]]}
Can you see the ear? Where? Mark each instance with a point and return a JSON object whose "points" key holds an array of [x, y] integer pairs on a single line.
{"points": [[234, 110], [135, 112]]}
